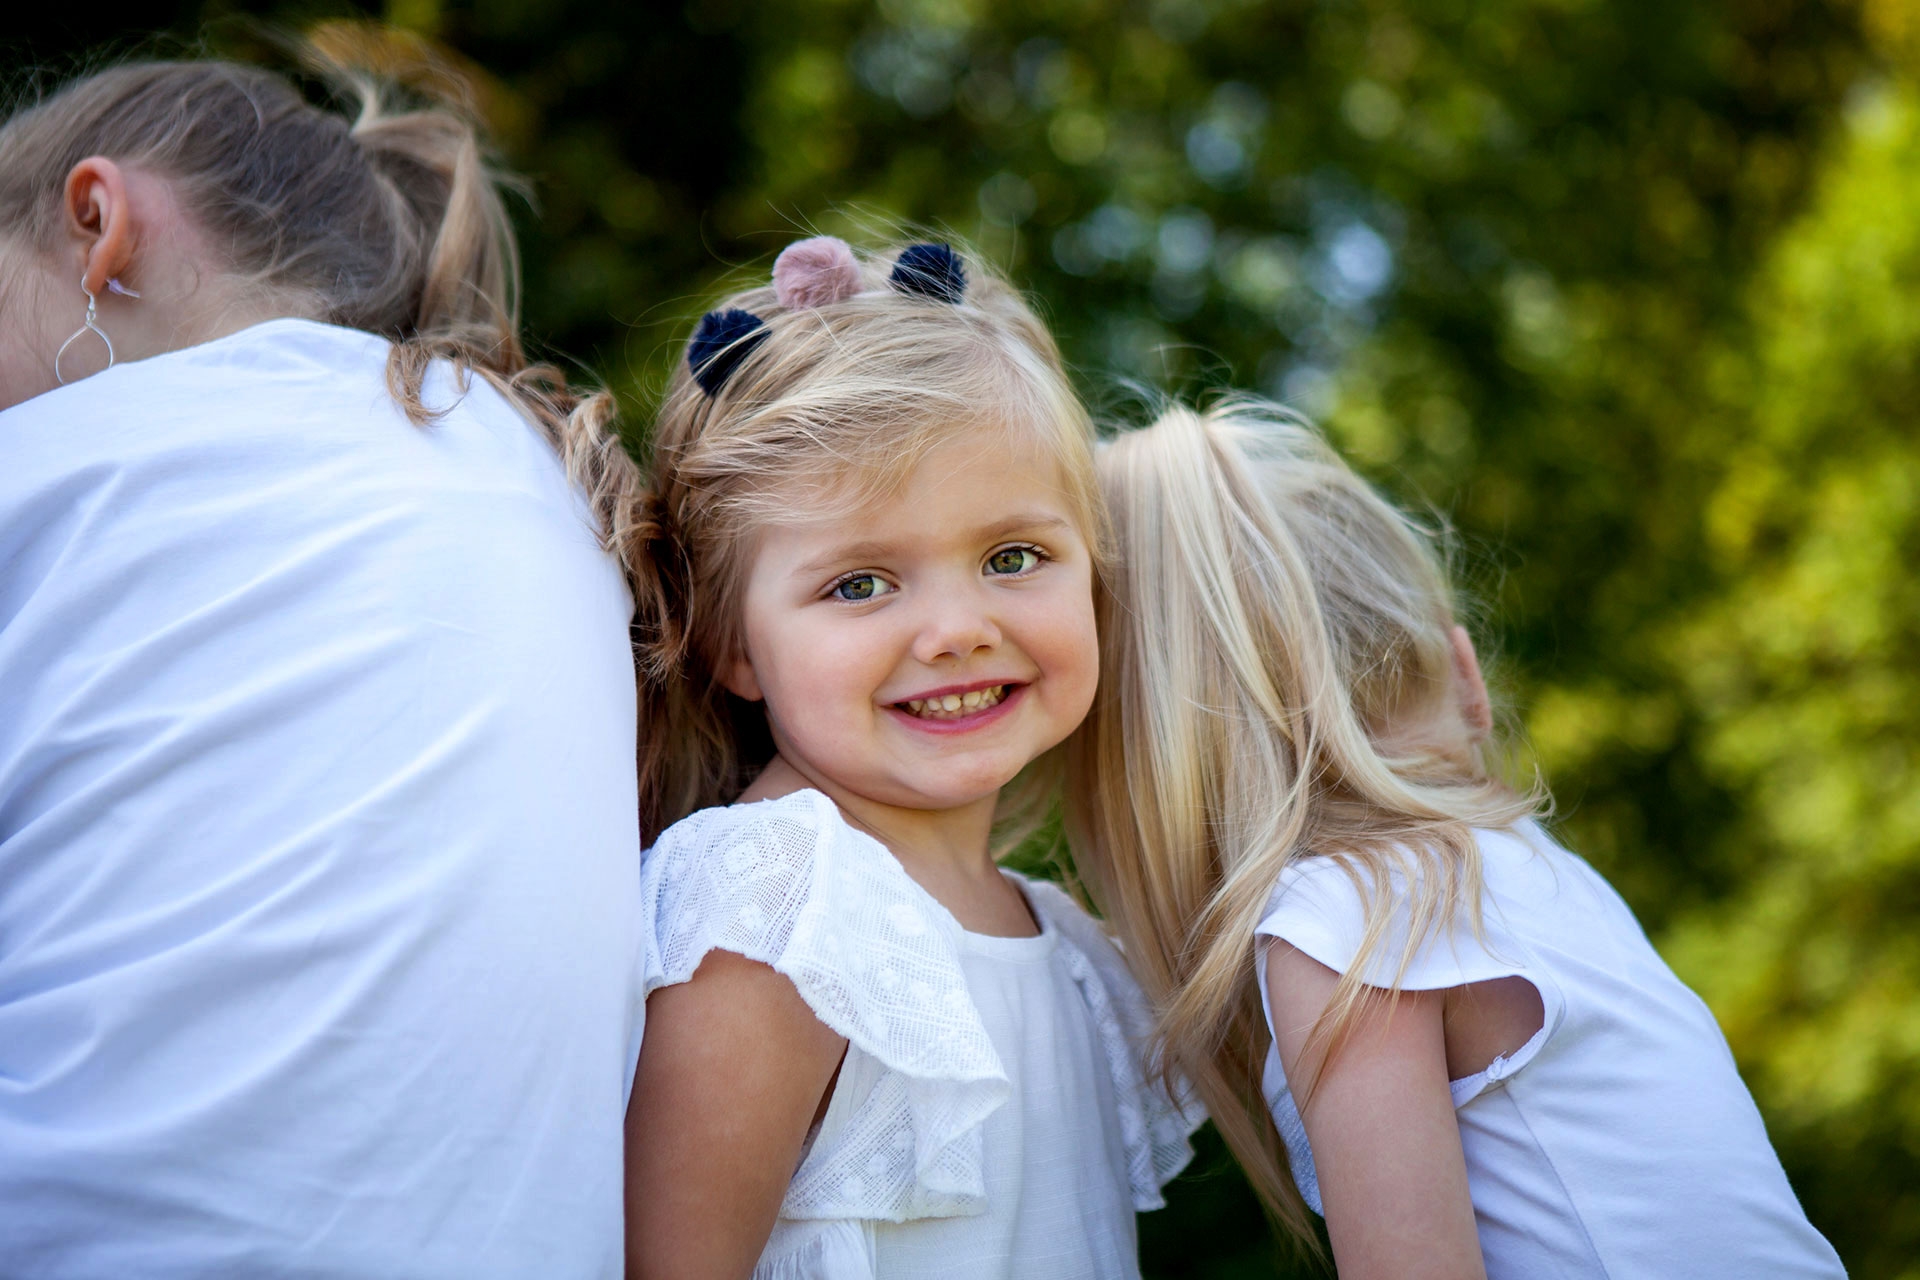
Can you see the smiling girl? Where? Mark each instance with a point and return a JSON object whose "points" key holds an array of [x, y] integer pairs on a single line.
{"points": [[870, 1051]]}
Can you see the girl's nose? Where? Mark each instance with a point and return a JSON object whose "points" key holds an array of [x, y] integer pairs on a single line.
{"points": [[956, 625]]}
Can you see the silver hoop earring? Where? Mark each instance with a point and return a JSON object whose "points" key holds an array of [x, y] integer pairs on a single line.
{"points": [[90, 324]]}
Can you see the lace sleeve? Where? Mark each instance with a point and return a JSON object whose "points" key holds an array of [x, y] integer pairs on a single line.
{"points": [[1154, 1125], [788, 883]]}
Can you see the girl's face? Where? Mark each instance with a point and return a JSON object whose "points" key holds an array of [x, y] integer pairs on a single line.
{"points": [[920, 653]]}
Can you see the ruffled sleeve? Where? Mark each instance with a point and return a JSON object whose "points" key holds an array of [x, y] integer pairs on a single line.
{"points": [[1321, 909], [1154, 1125], [788, 883]]}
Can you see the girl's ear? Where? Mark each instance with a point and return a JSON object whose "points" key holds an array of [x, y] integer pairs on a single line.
{"points": [[100, 220], [737, 678], [1476, 709]]}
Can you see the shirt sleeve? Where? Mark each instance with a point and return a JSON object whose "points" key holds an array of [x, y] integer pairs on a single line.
{"points": [[1319, 906], [787, 883]]}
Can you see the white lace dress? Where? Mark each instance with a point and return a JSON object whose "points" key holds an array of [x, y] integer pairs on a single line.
{"points": [[991, 1118]]}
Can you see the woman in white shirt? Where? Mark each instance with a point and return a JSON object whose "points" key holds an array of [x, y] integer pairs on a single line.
{"points": [[318, 861]]}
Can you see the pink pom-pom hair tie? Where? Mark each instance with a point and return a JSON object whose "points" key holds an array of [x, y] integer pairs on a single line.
{"points": [[815, 273]]}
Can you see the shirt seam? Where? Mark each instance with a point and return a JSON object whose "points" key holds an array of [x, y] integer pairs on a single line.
{"points": [[1579, 1219]]}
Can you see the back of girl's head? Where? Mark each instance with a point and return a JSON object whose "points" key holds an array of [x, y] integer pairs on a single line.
{"points": [[390, 221], [1275, 569], [1277, 681], [829, 399]]}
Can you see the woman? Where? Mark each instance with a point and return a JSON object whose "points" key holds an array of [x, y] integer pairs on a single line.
{"points": [[318, 859]]}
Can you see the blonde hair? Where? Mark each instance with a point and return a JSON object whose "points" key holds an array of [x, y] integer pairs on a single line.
{"points": [[832, 409], [1270, 628], [391, 222]]}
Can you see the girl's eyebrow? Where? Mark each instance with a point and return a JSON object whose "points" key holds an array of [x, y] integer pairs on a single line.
{"points": [[1026, 522], [872, 549]]}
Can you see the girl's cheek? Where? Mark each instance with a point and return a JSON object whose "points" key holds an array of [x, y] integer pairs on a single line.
{"points": [[1078, 653]]}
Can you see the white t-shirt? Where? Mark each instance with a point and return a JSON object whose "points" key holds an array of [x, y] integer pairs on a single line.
{"points": [[318, 852], [991, 1118], [1619, 1141]]}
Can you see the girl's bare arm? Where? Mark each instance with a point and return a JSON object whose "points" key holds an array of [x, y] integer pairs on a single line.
{"points": [[1385, 1141], [732, 1071]]}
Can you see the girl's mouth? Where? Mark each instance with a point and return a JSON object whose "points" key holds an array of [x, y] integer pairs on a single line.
{"points": [[961, 711], [954, 706]]}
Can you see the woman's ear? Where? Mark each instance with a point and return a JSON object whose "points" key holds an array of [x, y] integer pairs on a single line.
{"points": [[100, 220], [1476, 709], [737, 678]]}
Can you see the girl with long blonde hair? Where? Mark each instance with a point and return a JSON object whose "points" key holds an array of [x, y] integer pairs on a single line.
{"points": [[866, 563], [1405, 1005]]}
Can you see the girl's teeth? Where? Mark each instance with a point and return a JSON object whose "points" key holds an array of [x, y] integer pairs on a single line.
{"points": [[951, 704]]}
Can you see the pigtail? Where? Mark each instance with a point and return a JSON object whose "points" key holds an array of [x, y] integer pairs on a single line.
{"points": [[662, 594], [662, 591], [452, 289], [456, 258], [699, 745]]}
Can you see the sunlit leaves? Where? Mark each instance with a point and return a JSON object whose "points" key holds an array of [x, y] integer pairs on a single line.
{"points": [[1806, 668]]}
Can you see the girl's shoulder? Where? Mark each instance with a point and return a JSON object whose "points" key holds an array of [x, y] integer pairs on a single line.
{"points": [[789, 883], [1402, 932], [1324, 905], [781, 837], [1514, 861]]}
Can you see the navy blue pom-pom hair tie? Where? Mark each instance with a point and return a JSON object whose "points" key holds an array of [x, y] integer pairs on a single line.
{"points": [[724, 338], [931, 271], [721, 341]]}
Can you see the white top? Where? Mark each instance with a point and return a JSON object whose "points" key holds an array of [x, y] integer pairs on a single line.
{"points": [[1619, 1141], [318, 859], [991, 1117]]}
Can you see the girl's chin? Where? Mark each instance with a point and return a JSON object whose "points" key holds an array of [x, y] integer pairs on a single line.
{"points": [[939, 794]]}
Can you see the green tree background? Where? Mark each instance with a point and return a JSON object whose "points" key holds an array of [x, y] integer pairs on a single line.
{"points": [[1627, 289]]}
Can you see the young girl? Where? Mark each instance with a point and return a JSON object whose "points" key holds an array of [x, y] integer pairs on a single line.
{"points": [[318, 869], [869, 1051], [1472, 1061]]}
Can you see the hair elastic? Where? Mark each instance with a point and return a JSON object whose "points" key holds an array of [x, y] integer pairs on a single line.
{"points": [[815, 273], [931, 271], [721, 341]]}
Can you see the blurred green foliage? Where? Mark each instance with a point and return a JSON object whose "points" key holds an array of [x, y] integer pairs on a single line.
{"points": [[1627, 290]]}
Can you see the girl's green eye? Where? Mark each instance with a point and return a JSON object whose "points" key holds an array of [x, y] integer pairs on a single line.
{"points": [[865, 586], [1011, 560]]}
